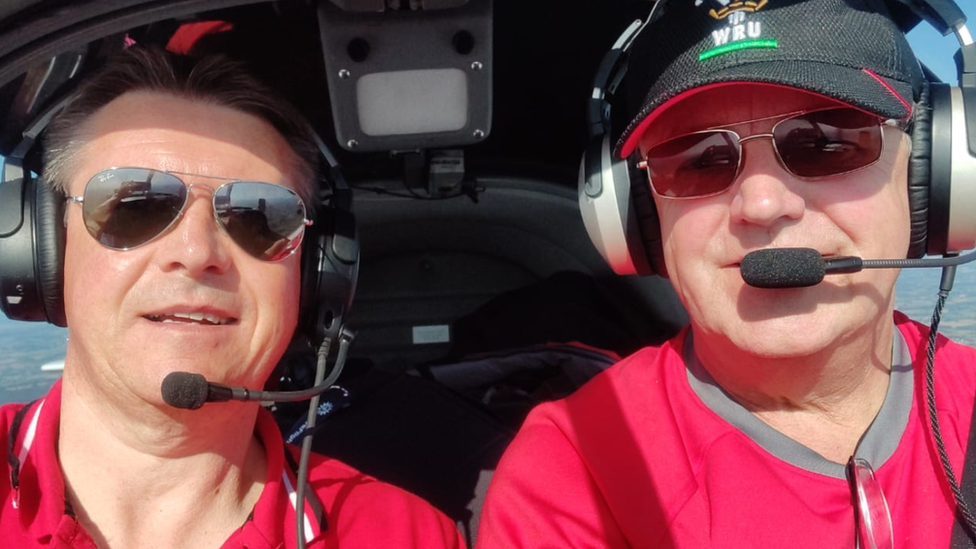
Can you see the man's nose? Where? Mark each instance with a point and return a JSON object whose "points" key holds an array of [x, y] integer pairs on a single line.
{"points": [[197, 245], [764, 191]]}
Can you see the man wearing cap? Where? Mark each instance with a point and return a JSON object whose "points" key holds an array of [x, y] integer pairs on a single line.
{"points": [[779, 417]]}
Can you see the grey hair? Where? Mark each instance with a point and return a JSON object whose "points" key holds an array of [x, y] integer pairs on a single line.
{"points": [[213, 79]]}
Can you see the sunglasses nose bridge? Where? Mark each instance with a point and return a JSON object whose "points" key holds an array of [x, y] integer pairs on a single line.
{"points": [[763, 185], [199, 226], [776, 153], [204, 188], [212, 206], [208, 188], [755, 136]]}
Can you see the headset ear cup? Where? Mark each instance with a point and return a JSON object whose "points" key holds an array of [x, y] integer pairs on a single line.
{"points": [[920, 175], [330, 269], [49, 235], [647, 219], [311, 258], [606, 205]]}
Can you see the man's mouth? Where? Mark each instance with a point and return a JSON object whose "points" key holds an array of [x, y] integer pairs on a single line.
{"points": [[191, 318]]}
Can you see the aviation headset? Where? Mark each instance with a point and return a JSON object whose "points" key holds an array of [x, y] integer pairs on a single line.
{"points": [[32, 239], [618, 209]]}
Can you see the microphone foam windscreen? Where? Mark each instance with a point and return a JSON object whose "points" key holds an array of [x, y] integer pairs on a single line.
{"points": [[184, 390], [782, 268]]}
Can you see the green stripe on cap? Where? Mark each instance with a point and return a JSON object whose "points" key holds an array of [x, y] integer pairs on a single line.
{"points": [[747, 45]]}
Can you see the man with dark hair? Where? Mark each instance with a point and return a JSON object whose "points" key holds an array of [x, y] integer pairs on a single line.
{"points": [[188, 185], [780, 417]]}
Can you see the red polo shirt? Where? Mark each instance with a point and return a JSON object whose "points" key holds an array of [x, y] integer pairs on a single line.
{"points": [[350, 510], [653, 454]]}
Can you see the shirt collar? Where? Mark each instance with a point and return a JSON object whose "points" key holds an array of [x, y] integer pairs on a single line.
{"points": [[40, 496]]}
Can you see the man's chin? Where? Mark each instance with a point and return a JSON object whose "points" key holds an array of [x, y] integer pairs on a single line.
{"points": [[785, 337]]}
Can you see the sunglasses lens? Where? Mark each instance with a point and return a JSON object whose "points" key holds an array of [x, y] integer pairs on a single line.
{"points": [[875, 523], [267, 220], [829, 142], [697, 164], [124, 208]]}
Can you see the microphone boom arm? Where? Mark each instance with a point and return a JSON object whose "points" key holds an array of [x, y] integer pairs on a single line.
{"points": [[852, 264]]}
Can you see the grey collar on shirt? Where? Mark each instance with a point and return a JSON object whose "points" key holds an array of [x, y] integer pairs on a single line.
{"points": [[876, 446]]}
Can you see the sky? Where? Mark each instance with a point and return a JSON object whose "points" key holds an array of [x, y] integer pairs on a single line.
{"points": [[935, 50]]}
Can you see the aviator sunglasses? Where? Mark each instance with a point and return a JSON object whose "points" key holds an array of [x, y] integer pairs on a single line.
{"points": [[124, 208], [808, 144]]}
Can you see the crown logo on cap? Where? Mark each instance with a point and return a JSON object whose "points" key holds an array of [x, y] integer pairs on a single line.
{"points": [[730, 6]]}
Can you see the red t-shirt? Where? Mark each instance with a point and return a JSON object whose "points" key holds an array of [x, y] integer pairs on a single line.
{"points": [[359, 511], [637, 458]]}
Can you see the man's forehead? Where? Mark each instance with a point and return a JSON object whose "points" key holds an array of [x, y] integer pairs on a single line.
{"points": [[145, 109], [170, 133]]}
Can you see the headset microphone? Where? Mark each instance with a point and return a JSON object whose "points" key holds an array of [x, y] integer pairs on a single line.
{"points": [[802, 267], [190, 391]]}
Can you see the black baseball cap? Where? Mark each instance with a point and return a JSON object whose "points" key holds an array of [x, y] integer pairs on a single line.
{"points": [[848, 50]]}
